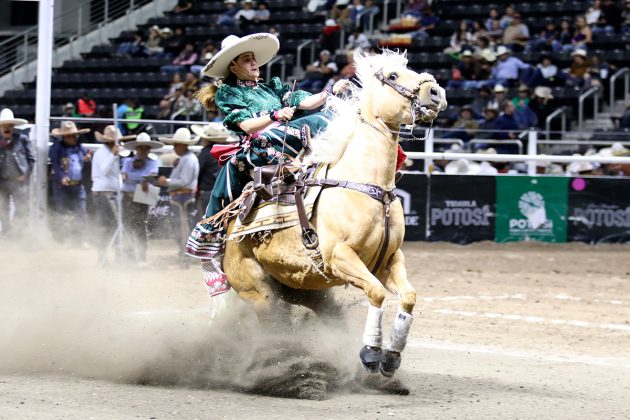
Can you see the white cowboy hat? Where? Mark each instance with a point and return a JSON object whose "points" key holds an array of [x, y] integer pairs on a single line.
{"points": [[543, 92], [7, 117], [580, 52], [579, 167], [109, 135], [214, 132], [68, 128], [499, 88], [181, 136], [616, 149], [143, 139], [485, 168], [462, 167], [502, 49], [265, 46], [488, 55]]}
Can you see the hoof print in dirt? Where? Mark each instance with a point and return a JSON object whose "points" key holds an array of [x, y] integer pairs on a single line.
{"points": [[384, 385]]}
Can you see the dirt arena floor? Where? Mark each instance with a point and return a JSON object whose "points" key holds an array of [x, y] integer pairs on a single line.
{"points": [[511, 331]]}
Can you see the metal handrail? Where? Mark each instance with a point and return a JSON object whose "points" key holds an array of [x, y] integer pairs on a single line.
{"points": [[283, 67], [581, 100], [585, 142], [370, 28], [626, 84], [298, 52], [385, 10], [517, 143], [560, 111]]}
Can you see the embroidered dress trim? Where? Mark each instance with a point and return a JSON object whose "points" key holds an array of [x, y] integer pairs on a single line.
{"points": [[247, 83]]}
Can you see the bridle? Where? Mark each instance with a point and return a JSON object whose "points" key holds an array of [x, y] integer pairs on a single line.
{"points": [[415, 107]]}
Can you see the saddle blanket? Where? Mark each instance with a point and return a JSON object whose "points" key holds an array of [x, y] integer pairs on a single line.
{"points": [[272, 215]]}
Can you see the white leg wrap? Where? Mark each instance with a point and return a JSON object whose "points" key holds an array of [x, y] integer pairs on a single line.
{"points": [[373, 333], [402, 324]]}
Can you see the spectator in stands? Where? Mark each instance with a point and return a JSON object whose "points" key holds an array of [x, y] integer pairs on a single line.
{"points": [[135, 48], [134, 170], [488, 125], [183, 6], [355, 10], [67, 159], [68, 111], [593, 13], [465, 127], [318, 73], [507, 68], [181, 186], [227, 17], [624, 122], [188, 107], [262, 12], [582, 36], [479, 31], [499, 94], [545, 74], [16, 165], [578, 74], [209, 167], [349, 70], [540, 105], [191, 82], [154, 41], [465, 72], [616, 169], [525, 117], [105, 185], [175, 43], [246, 14], [507, 128], [460, 40], [86, 106], [358, 40], [428, 22], [493, 16], [600, 70], [546, 40], [566, 33], [134, 111], [516, 34], [508, 16], [612, 16], [172, 103], [481, 101], [183, 61]]}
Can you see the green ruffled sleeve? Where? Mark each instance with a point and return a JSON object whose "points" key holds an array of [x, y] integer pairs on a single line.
{"points": [[232, 103], [283, 90]]}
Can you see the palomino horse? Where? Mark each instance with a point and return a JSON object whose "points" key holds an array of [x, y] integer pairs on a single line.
{"points": [[357, 247]]}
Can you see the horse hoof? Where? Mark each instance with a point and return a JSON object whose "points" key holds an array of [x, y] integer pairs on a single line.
{"points": [[370, 358], [390, 362]]}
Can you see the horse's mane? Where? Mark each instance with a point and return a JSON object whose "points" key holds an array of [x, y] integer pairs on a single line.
{"points": [[329, 145]]}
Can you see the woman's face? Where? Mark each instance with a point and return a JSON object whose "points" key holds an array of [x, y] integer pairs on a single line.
{"points": [[245, 66]]}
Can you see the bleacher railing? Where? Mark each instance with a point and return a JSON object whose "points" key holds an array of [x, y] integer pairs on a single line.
{"points": [[625, 72], [21, 49]]}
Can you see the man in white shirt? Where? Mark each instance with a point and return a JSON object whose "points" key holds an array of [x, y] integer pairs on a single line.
{"points": [[105, 184], [181, 186]]}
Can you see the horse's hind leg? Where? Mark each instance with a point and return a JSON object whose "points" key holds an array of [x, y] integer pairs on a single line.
{"points": [[398, 284], [348, 266]]}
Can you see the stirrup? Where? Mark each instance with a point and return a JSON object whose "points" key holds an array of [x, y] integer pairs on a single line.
{"points": [[215, 279]]}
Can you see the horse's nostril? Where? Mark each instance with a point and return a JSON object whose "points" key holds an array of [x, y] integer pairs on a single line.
{"points": [[434, 92]]}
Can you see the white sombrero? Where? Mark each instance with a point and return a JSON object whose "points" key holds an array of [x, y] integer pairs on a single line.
{"points": [[143, 139], [110, 134], [181, 136], [214, 132], [616, 149], [462, 167], [7, 117], [264, 46], [68, 128]]}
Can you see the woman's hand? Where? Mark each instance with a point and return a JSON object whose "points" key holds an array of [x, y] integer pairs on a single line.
{"points": [[286, 113], [340, 86]]}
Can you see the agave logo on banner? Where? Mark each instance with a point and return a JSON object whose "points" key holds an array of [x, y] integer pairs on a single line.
{"points": [[411, 219], [532, 206]]}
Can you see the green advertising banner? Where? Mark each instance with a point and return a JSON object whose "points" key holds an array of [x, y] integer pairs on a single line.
{"points": [[531, 208]]}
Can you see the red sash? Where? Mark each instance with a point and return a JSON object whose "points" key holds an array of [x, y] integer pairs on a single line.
{"points": [[220, 150]]}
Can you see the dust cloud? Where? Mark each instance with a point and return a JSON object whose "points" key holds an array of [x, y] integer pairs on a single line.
{"points": [[64, 314]]}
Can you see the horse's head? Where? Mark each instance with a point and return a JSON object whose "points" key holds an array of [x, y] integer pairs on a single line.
{"points": [[396, 94]]}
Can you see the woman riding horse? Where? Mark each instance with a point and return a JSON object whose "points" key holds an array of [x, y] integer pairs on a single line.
{"points": [[267, 115]]}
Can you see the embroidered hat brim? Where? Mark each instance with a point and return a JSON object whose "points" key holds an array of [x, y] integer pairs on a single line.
{"points": [[265, 46]]}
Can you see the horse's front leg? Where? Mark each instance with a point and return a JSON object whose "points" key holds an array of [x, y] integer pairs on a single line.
{"points": [[398, 284], [347, 266]]}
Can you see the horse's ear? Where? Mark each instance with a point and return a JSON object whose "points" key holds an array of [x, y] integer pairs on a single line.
{"points": [[404, 54]]}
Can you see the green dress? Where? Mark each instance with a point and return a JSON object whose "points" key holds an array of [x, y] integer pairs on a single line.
{"points": [[240, 102]]}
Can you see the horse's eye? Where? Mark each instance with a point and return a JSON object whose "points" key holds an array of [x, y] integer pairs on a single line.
{"points": [[393, 76]]}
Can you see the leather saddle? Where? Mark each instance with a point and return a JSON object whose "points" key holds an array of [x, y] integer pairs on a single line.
{"points": [[277, 184]]}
